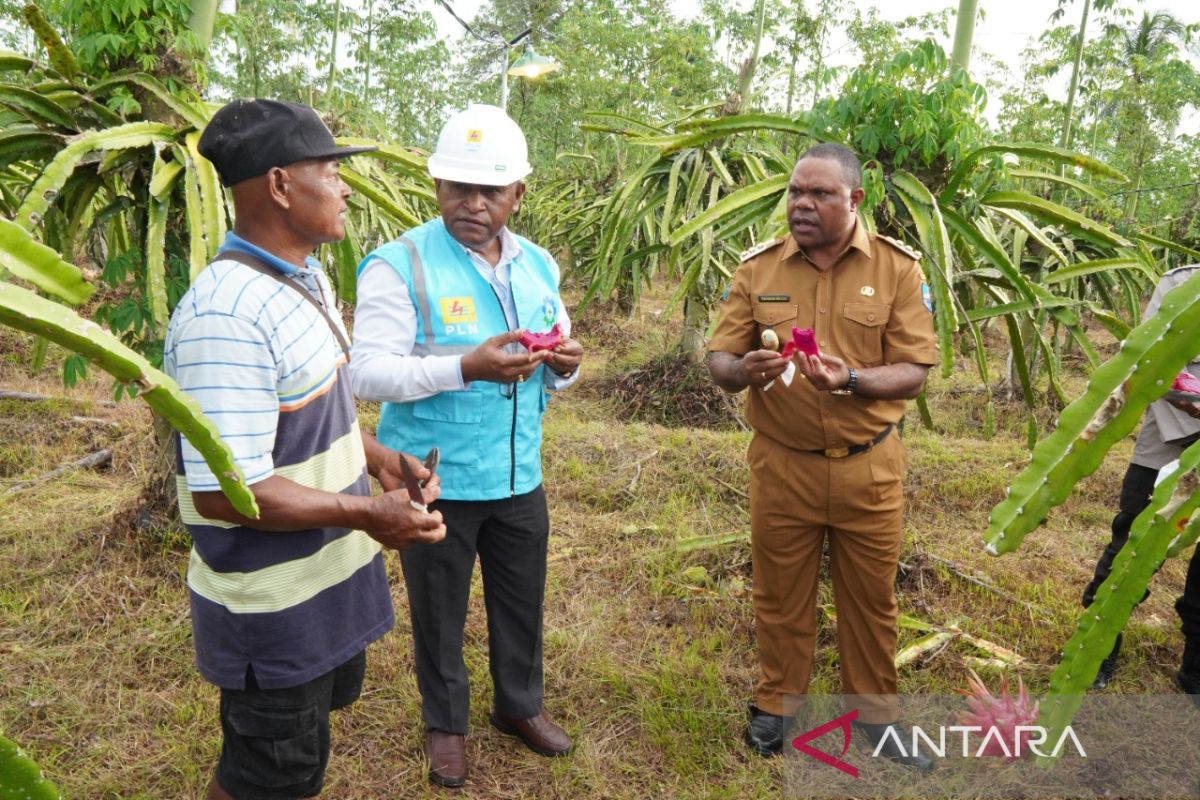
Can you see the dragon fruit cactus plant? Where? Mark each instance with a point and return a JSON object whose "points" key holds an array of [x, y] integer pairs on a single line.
{"points": [[1003, 712], [20, 777], [1117, 394]]}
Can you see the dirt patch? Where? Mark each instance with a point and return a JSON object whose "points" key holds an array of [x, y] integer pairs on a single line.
{"points": [[671, 391], [604, 326]]}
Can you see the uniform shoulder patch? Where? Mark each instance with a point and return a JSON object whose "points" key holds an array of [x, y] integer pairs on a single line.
{"points": [[760, 248], [901, 246]]}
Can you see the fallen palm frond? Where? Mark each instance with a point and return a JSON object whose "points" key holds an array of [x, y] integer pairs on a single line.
{"points": [[90, 461]]}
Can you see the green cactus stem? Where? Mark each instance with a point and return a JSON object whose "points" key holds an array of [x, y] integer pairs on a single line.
{"points": [[1186, 538], [48, 185], [1151, 536], [1145, 365], [61, 57], [20, 777], [26, 311]]}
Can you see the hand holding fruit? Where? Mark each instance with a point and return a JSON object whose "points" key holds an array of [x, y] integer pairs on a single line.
{"points": [[760, 367], [565, 357], [490, 361], [824, 371], [563, 354]]}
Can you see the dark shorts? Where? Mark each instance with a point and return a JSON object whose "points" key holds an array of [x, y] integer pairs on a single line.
{"points": [[276, 741]]}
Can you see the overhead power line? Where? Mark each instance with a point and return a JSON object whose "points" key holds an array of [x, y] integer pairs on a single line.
{"points": [[1156, 188], [467, 27], [496, 36]]}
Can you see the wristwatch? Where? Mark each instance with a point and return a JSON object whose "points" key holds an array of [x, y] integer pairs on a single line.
{"points": [[851, 383]]}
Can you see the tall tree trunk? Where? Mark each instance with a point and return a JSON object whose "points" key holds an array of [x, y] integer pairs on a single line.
{"points": [[795, 59], [367, 75], [239, 52], [247, 52], [824, 14], [1068, 115], [751, 66], [964, 33], [695, 324], [791, 90], [204, 15], [1139, 169], [337, 21]]}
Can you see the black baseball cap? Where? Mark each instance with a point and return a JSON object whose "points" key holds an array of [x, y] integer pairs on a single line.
{"points": [[248, 137]]}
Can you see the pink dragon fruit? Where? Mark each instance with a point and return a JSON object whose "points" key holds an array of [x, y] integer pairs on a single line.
{"points": [[1003, 712], [804, 340], [1186, 382], [542, 341]]}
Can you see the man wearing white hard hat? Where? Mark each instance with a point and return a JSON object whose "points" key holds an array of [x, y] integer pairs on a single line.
{"points": [[441, 315]]}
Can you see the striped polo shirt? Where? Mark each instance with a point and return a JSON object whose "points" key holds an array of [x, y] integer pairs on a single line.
{"points": [[265, 368]]}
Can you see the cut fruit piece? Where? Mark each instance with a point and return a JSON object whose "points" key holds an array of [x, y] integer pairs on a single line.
{"points": [[542, 341], [804, 340]]}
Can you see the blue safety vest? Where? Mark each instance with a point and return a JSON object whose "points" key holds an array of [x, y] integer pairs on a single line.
{"points": [[489, 434]]}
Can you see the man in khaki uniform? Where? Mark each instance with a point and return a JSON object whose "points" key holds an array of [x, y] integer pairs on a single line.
{"points": [[825, 461]]}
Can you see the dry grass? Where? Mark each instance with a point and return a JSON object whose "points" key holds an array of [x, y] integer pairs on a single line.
{"points": [[649, 647]]}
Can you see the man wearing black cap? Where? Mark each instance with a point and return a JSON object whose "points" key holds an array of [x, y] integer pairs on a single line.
{"points": [[283, 606]]}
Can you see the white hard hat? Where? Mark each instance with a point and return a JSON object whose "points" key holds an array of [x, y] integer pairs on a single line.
{"points": [[481, 145]]}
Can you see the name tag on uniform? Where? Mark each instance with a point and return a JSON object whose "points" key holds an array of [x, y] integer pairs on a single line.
{"points": [[774, 298]]}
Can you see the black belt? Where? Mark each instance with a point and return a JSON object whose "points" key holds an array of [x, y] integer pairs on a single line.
{"points": [[854, 449]]}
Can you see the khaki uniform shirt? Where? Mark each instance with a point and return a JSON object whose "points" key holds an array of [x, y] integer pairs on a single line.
{"points": [[870, 308], [1166, 431]]}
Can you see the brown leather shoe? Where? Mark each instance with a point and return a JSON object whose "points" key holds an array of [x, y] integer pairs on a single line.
{"points": [[539, 733], [447, 754]]}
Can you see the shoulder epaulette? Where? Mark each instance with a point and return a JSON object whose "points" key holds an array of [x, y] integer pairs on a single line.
{"points": [[901, 246], [761, 247]]}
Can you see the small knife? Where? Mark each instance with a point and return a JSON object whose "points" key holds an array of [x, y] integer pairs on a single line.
{"points": [[413, 485], [432, 459]]}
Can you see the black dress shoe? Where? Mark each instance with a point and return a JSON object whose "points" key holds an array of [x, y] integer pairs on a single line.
{"points": [[1108, 667], [1189, 683], [765, 732], [890, 749]]}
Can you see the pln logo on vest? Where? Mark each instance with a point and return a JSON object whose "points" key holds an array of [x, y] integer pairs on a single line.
{"points": [[458, 315], [549, 311]]}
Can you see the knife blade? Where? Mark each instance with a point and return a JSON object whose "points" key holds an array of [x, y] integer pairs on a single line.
{"points": [[432, 459], [412, 484]]}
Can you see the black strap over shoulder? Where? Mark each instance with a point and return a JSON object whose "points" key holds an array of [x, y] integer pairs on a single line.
{"points": [[257, 265]]}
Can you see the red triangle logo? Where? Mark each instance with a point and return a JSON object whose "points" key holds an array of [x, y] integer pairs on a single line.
{"points": [[801, 742]]}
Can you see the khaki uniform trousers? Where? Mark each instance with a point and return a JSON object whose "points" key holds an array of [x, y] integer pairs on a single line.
{"points": [[797, 499]]}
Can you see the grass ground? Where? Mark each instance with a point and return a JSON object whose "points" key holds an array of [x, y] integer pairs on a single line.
{"points": [[649, 642]]}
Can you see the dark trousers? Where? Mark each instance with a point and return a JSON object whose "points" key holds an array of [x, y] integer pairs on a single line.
{"points": [[510, 537], [1136, 489]]}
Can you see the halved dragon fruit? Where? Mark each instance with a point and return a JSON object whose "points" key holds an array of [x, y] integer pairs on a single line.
{"points": [[804, 340], [542, 341], [1186, 382]]}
